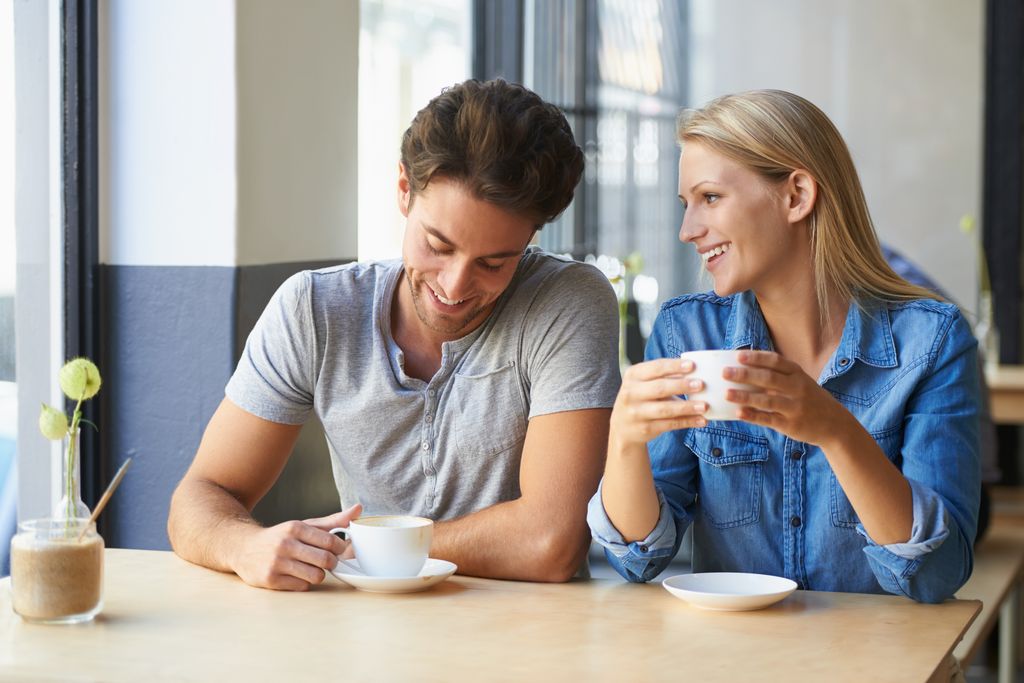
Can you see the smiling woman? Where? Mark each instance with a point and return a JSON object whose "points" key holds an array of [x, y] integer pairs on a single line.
{"points": [[850, 461]]}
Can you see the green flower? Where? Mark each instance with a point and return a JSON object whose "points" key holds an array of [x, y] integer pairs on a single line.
{"points": [[53, 423], [80, 379]]}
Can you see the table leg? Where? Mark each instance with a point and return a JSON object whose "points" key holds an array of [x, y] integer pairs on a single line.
{"points": [[1009, 613]]}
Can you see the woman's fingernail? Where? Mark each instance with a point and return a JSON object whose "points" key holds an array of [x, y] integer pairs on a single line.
{"points": [[687, 365], [701, 407], [728, 372], [694, 384]]}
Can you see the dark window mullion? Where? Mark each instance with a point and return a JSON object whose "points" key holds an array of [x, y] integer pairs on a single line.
{"points": [[81, 215]]}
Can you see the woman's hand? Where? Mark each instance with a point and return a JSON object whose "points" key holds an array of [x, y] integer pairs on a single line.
{"points": [[648, 403], [790, 401]]}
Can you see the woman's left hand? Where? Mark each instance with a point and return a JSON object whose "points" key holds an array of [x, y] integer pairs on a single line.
{"points": [[789, 402]]}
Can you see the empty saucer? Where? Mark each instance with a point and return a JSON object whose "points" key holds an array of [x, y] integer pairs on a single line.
{"points": [[729, 591]]}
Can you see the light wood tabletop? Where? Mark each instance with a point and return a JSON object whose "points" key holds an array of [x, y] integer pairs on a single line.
{"points": [[1006, 392], [165, 619]]}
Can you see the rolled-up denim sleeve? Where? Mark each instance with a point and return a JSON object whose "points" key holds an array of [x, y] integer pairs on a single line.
{"points": [[941, 462], [641, 560]]}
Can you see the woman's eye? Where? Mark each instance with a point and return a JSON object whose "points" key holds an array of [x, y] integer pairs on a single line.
{"points": [[710, 197]]}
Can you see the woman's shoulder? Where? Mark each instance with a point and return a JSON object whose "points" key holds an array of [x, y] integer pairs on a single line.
{"points": [[929, 322], [698, 301]]}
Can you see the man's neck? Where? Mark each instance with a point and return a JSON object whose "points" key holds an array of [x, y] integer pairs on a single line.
{"points": [[420, 345]]}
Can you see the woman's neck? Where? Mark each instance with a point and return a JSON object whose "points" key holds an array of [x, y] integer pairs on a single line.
{"points": [[794, 319]]}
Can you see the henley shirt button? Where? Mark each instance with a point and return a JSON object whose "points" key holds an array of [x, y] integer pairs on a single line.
{"points": [[429, 418], [716, 452], [426, 446], [431, 392], [795, 521], [844, 361]]}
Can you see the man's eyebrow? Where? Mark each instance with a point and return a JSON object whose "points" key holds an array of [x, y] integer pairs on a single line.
{"points": [[500, 254]]}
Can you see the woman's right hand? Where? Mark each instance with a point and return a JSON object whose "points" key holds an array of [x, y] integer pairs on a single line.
{"points": [[648, 402]]}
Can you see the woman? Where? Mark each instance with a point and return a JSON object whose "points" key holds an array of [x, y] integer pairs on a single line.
{"points": [[854, 465]]}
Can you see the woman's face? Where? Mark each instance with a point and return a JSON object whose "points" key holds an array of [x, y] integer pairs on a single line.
{"points": [[739, 223]]}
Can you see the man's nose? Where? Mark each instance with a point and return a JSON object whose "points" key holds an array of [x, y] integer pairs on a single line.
{"points": [[456, 279]]}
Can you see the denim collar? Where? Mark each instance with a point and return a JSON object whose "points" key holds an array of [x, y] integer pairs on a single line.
{"points": [[867, 334]]}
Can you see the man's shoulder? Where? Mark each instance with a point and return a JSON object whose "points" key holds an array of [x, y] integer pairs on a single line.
{"points": [[540, 271], [350, 282]]}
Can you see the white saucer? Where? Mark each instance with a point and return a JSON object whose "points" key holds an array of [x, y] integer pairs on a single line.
{"points": [[729, 591], [433, 572]]}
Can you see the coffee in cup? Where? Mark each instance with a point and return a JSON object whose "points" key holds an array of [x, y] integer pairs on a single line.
{"points": [[391, 545], [708, 367]]}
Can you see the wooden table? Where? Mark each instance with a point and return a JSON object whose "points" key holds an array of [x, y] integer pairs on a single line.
{"points": [[1006, 390], [165, 619]]}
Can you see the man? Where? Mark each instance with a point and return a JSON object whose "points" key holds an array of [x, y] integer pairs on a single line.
{"points": [[471, 382]]}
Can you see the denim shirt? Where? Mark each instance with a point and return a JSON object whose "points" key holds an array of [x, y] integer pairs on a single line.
{"points": [[759, 501]]}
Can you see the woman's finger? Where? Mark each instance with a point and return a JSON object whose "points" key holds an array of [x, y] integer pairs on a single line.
{"points": [[769, 360], [772, 403]]}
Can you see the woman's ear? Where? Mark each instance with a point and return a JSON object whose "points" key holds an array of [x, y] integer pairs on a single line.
{"points": [[801, 194], [404, 191]]}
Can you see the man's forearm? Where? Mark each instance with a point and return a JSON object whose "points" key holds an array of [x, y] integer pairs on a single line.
{"points": [[512, 541], [206, 523]]}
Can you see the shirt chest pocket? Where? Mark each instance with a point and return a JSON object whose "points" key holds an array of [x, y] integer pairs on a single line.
{"points": [[487, 412], [731, 464], [843, 515]]}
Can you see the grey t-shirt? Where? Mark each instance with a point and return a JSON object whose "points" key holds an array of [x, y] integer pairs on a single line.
{"points": [[446, 447]]}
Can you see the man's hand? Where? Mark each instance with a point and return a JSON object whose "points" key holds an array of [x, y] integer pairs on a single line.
{"points": [[293, 555]]}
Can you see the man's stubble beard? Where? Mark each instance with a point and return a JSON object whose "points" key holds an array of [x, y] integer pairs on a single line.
{"points": [[419, 306]]}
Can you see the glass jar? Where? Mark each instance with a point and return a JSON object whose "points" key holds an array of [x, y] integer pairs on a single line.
{"points": [[57, 571]]}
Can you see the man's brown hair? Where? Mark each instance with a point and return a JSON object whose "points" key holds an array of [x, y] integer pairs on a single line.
{"points": [[502, 142]]}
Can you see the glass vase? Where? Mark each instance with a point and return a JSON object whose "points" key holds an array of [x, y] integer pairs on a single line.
{"points": [[70, 505], [57, 571], [986, 331]]}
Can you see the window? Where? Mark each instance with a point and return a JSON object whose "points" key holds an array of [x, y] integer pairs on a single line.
{"points": [[618, 69], [8, 389], [407, 54]]}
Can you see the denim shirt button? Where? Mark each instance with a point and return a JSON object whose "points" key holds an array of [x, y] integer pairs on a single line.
{"points": [[844, 362], [716, 452], [796, 455], [795, 521], [643, 548]]}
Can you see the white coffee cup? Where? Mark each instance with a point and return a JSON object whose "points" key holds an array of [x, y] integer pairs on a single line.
{"points": [[708, 366], [390, 545]]}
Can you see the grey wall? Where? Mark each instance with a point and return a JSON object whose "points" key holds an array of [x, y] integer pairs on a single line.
{"points": [[173, 337], [168, 351]]}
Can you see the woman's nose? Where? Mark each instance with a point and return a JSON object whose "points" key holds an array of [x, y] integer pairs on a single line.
{"points": [[690, 229]]}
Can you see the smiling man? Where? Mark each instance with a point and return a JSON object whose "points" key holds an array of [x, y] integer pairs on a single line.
{"points": [[470, 382]]}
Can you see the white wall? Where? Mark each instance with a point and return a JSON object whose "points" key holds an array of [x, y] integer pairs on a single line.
{"points": [[168, 132], [228, 131], [297, 121], [904, 83]]}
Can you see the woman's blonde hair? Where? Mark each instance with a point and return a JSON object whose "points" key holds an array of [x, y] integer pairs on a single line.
{"points": [[773, 133]]}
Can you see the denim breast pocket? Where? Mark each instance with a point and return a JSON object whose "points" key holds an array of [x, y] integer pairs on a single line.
{"points": [[843, 515], [487, 411], [731, 465]]}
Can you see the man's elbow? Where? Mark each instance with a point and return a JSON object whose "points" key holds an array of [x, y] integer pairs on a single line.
{"points": [[560, 555]]}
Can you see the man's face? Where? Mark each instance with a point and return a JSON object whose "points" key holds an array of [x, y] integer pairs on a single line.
{"points": [[459, 253]]}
